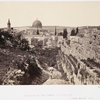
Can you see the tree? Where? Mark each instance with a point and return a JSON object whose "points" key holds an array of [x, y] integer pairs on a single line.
{"points": [[77, 30], [24, 45], [65, 33], [73, 32], [37, 31], [55, 31]]}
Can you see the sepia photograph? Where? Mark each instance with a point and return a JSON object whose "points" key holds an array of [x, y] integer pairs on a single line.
{"points": [[50, 43]]}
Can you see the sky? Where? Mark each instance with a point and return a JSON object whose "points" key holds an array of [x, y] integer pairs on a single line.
{"points": [[24, 13]]}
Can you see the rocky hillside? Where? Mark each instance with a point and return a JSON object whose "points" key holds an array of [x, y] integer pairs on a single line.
{"points": [[74, 60], [19, 67], [82, 55]]}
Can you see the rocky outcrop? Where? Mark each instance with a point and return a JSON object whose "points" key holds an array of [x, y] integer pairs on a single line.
{"points": [[70, 60]]}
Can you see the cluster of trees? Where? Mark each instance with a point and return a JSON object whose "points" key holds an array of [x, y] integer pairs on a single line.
{"points": [[23, 71], [4, 35], [18, 42], [65, 33], [15, 41], [74, 33], [31, 70]]}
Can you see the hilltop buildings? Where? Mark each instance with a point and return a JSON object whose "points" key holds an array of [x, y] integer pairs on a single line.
{"points": [[85, 45]]}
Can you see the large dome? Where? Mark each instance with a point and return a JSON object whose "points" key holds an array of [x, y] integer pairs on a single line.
{"points": [[37, 24]]}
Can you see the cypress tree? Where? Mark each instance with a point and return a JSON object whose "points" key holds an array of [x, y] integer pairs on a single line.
{"points": [[37, 31], [77, 31], [65, 33], [55, 31], [73, 32]]}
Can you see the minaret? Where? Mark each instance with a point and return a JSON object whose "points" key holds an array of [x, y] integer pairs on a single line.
{"points": [[9, 24]]}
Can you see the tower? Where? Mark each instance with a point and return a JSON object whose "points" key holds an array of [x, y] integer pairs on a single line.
{"points": [[9, 24]]}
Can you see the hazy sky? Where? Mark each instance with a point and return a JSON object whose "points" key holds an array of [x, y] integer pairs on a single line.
{"points": [[50, 13]]}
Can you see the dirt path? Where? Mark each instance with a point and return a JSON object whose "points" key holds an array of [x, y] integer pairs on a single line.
{"points": [[37, 62], [55, 82], [54, 77]]}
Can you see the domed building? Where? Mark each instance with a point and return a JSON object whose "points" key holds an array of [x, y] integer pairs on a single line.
{"points": [[37, 24], [33, 30]]}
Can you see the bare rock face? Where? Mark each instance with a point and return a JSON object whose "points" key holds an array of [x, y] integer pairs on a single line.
{"points": [[78, 72]]}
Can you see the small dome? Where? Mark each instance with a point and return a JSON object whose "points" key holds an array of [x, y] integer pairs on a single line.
{"points": [[37, 24]]}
